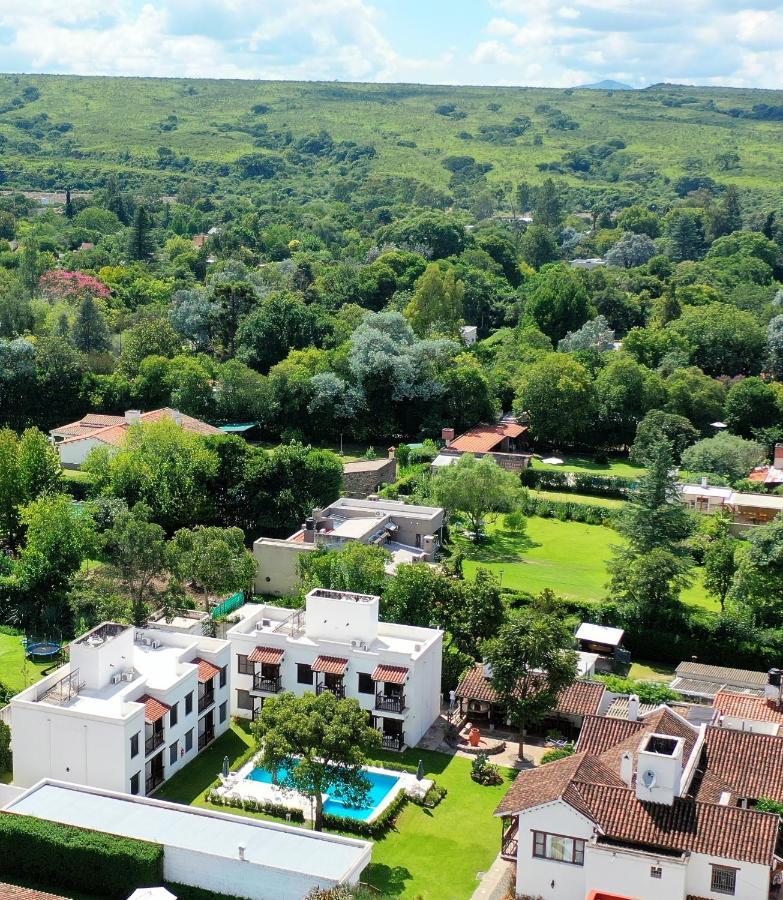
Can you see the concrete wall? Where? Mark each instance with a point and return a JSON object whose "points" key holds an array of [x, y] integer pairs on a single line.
{"points": [[626, 873], [752, 880], [277, 562]]}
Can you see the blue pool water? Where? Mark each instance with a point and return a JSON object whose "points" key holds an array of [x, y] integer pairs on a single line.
{"points": [[380, 787]]}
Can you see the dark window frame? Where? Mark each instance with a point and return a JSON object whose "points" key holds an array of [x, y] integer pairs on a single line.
{"points": [[223, 676], [577, 848], [300, 679], [135, 781], [189, 704], [173, 752], [188, 741], [134, 744], [222, 712], [241, 695], [243, 666], [365, 684], [720, 886], [174, 714]]}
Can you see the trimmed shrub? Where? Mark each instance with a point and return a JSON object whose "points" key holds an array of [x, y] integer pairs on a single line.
{"points": [[278, 810], [432, 798], [566, 510], [76, 858], [578, 482], [375, 829], [557, 753]]}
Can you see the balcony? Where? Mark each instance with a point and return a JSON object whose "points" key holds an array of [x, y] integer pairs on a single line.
{"points": [[206, 738], [393, 741], [153, 781], [267, 685], [337, 689], [153, 742], [394, 703], [206, 700]]}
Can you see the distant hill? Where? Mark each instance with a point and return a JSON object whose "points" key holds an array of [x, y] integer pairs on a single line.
{"points": [[606, 85]]}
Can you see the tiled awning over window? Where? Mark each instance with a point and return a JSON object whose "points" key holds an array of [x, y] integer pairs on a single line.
{"points": [[270, 655], [153, 709], [390, 674], [206, 670], [330, 665]]}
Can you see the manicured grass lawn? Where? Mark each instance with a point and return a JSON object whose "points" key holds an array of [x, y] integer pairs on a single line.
{"points": [[567, 557], [564, 497], [12, 664], [617, 465], [650, 671], [434, 854]]}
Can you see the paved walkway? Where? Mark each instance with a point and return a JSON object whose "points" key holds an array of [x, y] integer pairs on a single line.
{"points": [[497, 881]]}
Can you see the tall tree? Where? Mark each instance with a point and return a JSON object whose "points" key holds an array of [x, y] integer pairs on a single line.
{"points": [[69, 210], [549, 207], [233, 300], [140, 245], [530, 663], [437, 302], [356, 567], [10, 487], [90, 333], [40, 471], [317, 745], [215, 559], [720, 566]]}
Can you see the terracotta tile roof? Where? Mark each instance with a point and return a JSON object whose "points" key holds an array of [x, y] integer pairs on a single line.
{"points": [[722, 675], [662, 721], [153, 709], [744, 706], [330, 665], [729, 832], [270, 655], [206, 670], [750, 763], [113, 433], [14, 892], [390, 674], [484, 438], [600, 733], [582, 698], [90, 422]]}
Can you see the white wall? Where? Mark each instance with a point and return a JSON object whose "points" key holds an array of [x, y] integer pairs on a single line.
{"points": [[752, 880], [622, 872], [74, 453], [277, 562]]}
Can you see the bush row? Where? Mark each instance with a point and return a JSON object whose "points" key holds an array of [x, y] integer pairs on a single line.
{"points": [[566, 510], [76, 858], [375, 829], [278, 810], [578, 482], [432, 798]]}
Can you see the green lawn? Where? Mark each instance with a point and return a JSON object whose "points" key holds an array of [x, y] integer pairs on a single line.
{"points": [[617, 465], [567, 557], [564, 496], [650, 671], [16, 672], [430, 854]]}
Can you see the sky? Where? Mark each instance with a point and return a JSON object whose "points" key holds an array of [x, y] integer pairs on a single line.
{"points": [[555, 43]]}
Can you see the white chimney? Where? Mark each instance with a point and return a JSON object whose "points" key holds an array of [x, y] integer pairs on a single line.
{"points": [[242, 849], [704, 482], [659, 768], [487, 670], [133, 416], [626, 767], [177, 416], [633, 708]]}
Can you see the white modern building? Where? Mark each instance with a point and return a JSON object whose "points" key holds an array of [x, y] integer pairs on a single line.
{"points": [[652, 808], [411, 533], [130, 709], [211, 850], [336, 643]]}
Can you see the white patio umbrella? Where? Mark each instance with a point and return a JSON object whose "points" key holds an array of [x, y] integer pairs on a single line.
{"points": [[152, 893], [718, 425], [552, 461]]}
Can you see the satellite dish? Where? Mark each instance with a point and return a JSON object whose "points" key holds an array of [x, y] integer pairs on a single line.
{"points": [[648, 779]]}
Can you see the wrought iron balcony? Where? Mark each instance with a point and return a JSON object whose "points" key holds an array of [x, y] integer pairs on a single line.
{"points": [[206, 738], [268, 685], [206, 700], [153, 742], [390, 702], [393, 741], [337, 689], [152, 781]]}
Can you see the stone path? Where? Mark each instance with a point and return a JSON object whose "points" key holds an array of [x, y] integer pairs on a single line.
{"points": [[496, 883]]}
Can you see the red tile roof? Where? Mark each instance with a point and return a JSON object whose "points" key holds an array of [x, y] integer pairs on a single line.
{"points": [[14, 892], [270, 655], [743, 706], [206, 670], [153, 709], [390, 674], [748, 763], [114, 432], [330, 665], [484, 438]]}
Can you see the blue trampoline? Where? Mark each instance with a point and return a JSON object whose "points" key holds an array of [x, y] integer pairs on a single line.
{"points": [[42, 649]]}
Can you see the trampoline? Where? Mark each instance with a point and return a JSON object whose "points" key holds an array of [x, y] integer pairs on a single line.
{"points": [[43, 649]]}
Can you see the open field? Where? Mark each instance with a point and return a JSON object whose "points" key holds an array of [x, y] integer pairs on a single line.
{"points": [[567, 557], [426, 851]]}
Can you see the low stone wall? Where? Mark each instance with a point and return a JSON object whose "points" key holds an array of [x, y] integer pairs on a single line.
{"points": [[362, 484]]}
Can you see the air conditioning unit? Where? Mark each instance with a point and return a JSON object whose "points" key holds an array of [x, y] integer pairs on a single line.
{"points": [[146, 641], [266, 623], [116, 679], [355, 643], [155, 645], [127, 676]]}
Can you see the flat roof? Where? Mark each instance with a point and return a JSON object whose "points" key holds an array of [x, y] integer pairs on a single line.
{"points": [[395, 507], [599, 634], [366, 465], [217, 834], [756, 501]]}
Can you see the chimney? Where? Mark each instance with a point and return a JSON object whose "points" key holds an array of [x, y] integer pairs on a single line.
{"points": [[659, 764], [241, 849], [704, 482], [633, 708], [132, 416], [177, 416], [392, 452], [778, 457], [626, 767], [447, 435]]}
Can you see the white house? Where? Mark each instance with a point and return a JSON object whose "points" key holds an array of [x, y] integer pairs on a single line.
{"points": [[411, 533], [211, 850], [128, 711], [337, 644], [651, 808]]}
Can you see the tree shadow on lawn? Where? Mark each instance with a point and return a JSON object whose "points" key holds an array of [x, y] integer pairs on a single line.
{"points": [[387, 879], [503, 545], [192, 781]]}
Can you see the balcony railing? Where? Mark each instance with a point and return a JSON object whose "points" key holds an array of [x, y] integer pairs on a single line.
{"points": [[153, 742], [393, 741], [152, 781], [269, 685], [205, 701], [390, 702], [206, 738], [337, 689]]}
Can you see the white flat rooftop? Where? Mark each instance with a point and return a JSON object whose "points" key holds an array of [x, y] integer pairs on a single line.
{"points": [[599, 634], [216, 834]]}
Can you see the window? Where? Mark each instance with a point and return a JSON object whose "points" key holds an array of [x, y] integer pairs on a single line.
{"points": [[656, 872], [724, 880], [173, 715], [559, 847], [304, 674], [134, 784], [134, 745], [243, 666], [244, 700], [366, 684], [222, 712], [188, 703], [189, 741], [173, 750], [418, 541], [223, 675]]}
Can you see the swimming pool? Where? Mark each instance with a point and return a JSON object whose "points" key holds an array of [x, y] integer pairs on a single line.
{"points": [[381, 785]]}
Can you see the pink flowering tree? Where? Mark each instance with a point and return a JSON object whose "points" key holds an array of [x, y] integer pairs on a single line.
{"points": [[60, 286]]}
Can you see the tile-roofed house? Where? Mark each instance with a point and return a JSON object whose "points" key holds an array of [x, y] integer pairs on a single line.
{"points": [[748, 713], [505, 441], [693, 679], [654, 798], [75, 440]]}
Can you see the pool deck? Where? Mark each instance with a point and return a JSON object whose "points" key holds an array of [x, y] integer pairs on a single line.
{"points": [[240, 786]]}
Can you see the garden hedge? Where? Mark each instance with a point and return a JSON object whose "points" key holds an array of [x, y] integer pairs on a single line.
{"points": [[578, 482], [89, 861], [566, 510]]}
